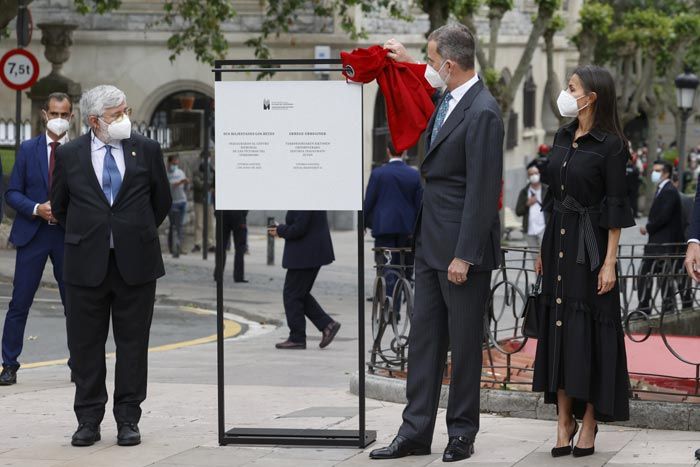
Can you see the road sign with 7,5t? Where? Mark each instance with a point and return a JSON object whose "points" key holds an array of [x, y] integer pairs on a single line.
{"points": [[19, 69]]}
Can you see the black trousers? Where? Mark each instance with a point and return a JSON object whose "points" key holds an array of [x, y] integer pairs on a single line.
{"points": [[393, 241], [88, 312], [661, 267], [240, 240], [299, 304], [445, 315]]}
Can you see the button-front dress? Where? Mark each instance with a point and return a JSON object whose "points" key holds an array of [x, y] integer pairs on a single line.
{"points": [[581, 346]]}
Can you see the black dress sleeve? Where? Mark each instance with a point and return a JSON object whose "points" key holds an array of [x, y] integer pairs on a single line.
{"points": [[616, 210]]}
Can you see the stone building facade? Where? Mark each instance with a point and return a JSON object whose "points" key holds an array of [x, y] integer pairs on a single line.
{"points": [[127, 48]]}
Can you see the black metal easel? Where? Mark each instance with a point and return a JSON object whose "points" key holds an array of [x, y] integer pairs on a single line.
{"points": [[299, 437]]}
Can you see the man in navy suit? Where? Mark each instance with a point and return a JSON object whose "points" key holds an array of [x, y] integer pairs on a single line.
{"points": [[392, 201], [307, 247], [665, 226], [35, 232]]}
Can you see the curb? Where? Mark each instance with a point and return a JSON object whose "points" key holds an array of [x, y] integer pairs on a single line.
{"points": [[520, 404]]}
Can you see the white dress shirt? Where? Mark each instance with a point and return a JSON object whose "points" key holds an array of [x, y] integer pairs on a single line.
{"points": [[63, 140], [98, 153], [458, 93]]}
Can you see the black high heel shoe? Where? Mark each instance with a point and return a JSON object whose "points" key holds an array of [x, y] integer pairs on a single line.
{"points": [[583, 452], [566, 450]]}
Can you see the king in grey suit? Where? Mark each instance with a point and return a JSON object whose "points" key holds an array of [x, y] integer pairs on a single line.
{"points": [[457, 247]]}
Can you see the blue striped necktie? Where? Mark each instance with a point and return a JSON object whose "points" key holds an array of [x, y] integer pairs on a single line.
{"points": [[440, 117], [111, 178]]}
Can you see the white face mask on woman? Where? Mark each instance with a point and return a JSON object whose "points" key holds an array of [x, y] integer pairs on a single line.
{"points": [[568, 104]]}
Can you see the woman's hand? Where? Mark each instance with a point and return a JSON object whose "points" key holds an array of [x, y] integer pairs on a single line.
{"points": [[538, 265], [606, 278]]}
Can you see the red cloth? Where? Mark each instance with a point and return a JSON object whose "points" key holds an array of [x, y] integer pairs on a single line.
{"points": [[406, 92]]}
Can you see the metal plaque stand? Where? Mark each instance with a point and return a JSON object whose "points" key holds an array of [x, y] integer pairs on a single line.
{"points": [[360, 438]]}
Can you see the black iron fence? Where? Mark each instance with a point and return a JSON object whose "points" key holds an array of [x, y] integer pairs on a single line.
{"points": [[660, 308]]}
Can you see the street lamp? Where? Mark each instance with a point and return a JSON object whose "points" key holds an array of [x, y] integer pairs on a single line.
{"points": [[686, 86]]}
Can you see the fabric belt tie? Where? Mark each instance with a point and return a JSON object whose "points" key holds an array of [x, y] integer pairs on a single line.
{"points": [[586, 236]]}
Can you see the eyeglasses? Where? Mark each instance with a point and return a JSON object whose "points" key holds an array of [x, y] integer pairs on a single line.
{"points": [[120, 115]]}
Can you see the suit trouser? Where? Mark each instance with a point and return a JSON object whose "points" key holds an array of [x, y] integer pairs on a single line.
{"points": [[240, 239], [299, 304], [88, 311], [176, 230], [199, 225], [29, 268], [444, 314], [659, 267], [393, 241]]}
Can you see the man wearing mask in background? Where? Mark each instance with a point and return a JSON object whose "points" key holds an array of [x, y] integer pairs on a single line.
{"points": [[665, 225], [110, 193], [35, 232], [529, 206]]}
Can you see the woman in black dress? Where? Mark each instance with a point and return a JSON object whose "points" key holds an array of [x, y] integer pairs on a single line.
{"points": [[581, 363]]}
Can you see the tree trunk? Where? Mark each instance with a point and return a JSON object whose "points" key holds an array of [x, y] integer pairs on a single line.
{"points": [[586, 47], [552, 85], [495, 18], [481, 57], [438, 12]]}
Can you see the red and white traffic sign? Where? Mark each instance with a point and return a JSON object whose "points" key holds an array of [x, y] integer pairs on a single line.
{"points": [[19, 69]]}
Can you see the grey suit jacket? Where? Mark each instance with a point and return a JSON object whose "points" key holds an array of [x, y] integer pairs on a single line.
{"points": [[462, 172]]}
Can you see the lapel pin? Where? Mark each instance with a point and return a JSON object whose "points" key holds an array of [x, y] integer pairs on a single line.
{"points": [[133, 153]]}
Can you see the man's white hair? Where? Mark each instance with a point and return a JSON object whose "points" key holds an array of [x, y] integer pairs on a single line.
{"points": [[96, 100]]}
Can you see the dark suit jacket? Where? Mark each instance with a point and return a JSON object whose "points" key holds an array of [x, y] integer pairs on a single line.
{"points": [[28, 186], [687, 202], [665, 223], [307, 240], [141, 205], [462, 173], [393, 198], [523, 210], [694, 231]]}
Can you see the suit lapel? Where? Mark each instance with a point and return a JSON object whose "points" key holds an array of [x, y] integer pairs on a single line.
{"points": [[129, 167], [455, 118], [85, 155], [42, 158]]}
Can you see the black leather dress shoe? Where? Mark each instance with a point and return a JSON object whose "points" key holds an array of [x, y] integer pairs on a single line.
{"points": [[329, 334], [8, 377], [458, 448], [86, 434], [289, 345], [400, 447], [128, 434]]}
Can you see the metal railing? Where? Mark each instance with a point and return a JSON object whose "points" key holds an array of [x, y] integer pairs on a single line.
{"points": [[7, 132], [673, 303]]}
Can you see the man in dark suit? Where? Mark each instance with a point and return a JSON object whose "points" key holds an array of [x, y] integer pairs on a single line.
{"points": [[393, 198], [34, 231], [110, 193], [665, 225], [457, 247], [235, 224], [307, 247]]}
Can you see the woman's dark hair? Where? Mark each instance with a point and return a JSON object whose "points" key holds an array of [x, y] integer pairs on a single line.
{"points": [[599, 80]]}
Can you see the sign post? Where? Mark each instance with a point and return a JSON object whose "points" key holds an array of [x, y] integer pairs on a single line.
{"points": [[304, 139], [19, 70]]}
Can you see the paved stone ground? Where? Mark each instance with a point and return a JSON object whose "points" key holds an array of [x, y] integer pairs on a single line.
{"points": [[269, 388]]}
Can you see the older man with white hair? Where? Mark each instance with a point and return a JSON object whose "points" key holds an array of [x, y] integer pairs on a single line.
{"points": [[110, 192]]}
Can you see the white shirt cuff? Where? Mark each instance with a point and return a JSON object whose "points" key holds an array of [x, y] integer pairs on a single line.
{"points": [[36, 207], [693, 240]]}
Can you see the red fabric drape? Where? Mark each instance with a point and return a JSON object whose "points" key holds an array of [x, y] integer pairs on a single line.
{"points": [[405, 90]]}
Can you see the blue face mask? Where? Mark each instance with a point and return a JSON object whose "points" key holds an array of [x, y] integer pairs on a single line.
{"points": [[655, 177]]}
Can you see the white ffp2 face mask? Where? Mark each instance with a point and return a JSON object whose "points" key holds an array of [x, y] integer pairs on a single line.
{"points": [[568, 104], [433, 77], [119, 130], [534, 179], [57, 126]]}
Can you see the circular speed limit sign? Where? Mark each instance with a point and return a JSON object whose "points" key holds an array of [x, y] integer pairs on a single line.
{"points": [[19, 69]]}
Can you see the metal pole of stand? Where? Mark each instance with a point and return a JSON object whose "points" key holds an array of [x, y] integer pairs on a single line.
{"points": [[270, 243]]}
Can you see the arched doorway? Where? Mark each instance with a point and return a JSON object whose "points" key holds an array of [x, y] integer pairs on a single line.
{"points": [[178, 120], [381, 135]]}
